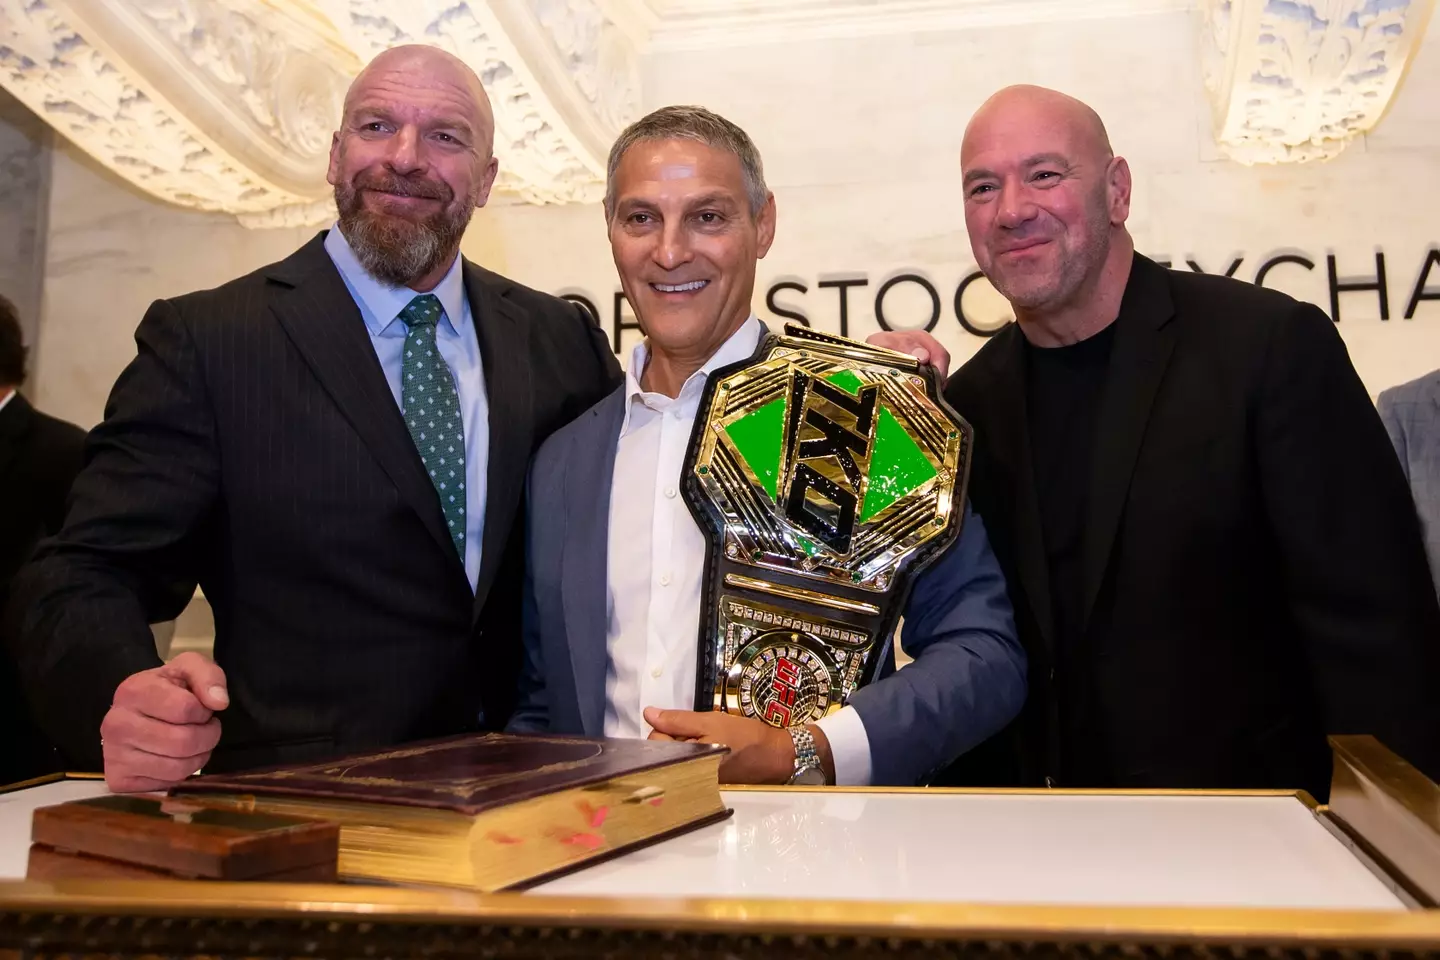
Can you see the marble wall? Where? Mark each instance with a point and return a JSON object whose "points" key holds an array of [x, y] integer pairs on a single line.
{"points": [[861, 143], [112, 251], [861, 140], [25, 149]]}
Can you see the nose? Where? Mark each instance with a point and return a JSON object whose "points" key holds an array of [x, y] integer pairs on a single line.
{"points": [[1015, 208], [673, 250], [405, 155]]}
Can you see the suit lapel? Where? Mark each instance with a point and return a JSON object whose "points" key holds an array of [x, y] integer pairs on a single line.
{"points": [[1010, 442], [584, 569], [1144, 339], [319, 315], [505, 354]]}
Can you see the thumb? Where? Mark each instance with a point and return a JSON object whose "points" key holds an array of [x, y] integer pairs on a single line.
{"points": [[677, 723], [201, 676]]}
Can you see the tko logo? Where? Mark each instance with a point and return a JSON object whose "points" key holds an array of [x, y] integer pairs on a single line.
{"points": [[830, 455], [785, 686], [816, 504]]}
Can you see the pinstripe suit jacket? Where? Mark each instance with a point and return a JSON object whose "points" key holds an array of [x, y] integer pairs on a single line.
{"points": [[254, 447], [1411, 413]]}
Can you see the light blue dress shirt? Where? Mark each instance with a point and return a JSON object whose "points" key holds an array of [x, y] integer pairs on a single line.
{"points": [[380, 305]]}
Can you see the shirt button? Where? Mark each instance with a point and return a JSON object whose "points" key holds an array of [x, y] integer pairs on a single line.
{"points": [[670, 492], [665, 580], [656, 673]]}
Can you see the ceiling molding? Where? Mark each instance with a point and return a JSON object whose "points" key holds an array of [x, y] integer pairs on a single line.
{"points": [[125, 101], [1298, 80], [228, 105], [699, 24]]}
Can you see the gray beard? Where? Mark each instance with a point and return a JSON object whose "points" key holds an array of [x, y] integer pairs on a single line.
{"points": [[398, 251]]}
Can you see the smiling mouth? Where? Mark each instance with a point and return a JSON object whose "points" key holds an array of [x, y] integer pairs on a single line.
{"points": [[690, 287], [390, 195], [1022, 247]]}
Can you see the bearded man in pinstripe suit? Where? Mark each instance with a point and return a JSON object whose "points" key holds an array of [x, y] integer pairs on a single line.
{"points": [[334, 447]]}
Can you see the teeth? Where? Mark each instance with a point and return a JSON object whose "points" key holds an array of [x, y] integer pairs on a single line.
{"points": [[679, 287]]}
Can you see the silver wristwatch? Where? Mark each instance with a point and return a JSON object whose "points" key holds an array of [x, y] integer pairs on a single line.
{"points": [[808, 772]]}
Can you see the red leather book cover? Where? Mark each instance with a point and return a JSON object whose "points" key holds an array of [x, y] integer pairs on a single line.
{"points": [[467, 774]]}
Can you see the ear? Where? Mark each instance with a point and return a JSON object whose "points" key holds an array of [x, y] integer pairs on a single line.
{"points": [[1117, 189], [765, 226], [487, 180], [332, 172]]}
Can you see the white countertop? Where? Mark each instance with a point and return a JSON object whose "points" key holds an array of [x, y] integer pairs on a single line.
{"points": [[1050, 848]]}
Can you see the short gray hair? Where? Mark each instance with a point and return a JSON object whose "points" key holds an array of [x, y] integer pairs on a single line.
{"points": [[691, 123]]}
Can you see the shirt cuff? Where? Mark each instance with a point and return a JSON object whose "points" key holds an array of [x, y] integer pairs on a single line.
{"points": [[849, 747]]}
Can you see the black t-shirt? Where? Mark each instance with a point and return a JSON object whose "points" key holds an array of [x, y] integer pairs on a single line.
{"points": [[1064, 385]]}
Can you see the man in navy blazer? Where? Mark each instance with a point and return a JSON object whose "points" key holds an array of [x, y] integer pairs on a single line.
{"points": [[616, 562]]}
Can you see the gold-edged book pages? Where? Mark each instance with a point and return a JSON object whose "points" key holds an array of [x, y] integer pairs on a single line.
{"points": [[490, 811]]}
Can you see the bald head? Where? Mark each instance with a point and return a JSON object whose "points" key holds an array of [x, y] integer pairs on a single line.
{"points": [[420, 67], [1031, 107]]}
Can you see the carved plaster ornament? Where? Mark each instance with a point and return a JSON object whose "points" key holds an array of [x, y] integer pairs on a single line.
{"points": [[1296, 80], [228, 105]]}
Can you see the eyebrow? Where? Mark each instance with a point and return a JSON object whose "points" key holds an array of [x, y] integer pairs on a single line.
{"points": [[1031, 161], [716, 199]]}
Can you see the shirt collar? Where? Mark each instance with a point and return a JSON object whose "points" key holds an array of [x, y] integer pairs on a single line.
{"points": [[383, 302], [740, 345], [8, 397]]}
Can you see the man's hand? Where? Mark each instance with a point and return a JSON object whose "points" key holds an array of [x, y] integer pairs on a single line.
{"points": [[161, 726], [759, 753], [918, 344]]}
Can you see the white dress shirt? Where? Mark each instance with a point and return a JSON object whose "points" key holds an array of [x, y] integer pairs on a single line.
{"points": [[656, 565], [6, 399]]}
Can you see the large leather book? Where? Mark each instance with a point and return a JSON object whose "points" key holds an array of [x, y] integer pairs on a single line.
{"points": [[488, 811]]}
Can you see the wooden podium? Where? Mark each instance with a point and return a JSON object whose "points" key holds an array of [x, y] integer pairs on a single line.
{"points": [[837, 873]]}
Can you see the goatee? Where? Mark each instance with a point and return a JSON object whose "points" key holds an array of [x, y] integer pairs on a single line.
{"points": [[393, 249]]}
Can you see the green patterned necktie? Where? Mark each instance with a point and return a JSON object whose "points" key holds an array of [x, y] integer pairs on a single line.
{"points": [[432, 411]]}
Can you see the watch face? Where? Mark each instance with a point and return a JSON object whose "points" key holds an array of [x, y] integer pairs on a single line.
{"points": [[809, 777]]}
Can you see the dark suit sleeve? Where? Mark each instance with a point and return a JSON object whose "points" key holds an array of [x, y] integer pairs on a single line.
{"points": [[610, 373], [1354, 563], [967, 680], [124, 558], [64, 454]]}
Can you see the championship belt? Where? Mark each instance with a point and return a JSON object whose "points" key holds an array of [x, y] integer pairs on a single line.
{"points": [[825, 474]]}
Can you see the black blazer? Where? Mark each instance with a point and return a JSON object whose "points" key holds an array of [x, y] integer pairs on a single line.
{"points": [[1254, 572], [254, 447], [39, 457]]}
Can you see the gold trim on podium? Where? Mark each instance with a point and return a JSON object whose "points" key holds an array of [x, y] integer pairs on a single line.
{"points": [[1377, 798], [330, 917]]}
